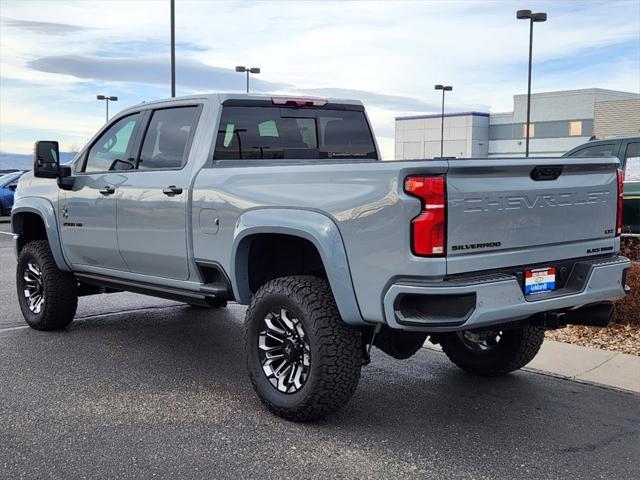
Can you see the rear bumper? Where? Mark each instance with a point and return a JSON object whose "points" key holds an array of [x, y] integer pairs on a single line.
{"points": [[497, 298]]}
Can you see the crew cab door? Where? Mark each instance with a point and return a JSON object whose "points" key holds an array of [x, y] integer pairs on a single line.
{"points": [[87, 213], [152, 202]]}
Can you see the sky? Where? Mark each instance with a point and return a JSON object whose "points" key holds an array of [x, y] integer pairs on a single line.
{"points": [[55, 56]]}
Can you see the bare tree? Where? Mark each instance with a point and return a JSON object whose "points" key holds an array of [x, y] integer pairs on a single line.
{"points": [[74, 148]]}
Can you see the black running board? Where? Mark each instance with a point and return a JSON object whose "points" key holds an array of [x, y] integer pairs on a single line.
{"points": [[203, 298]]}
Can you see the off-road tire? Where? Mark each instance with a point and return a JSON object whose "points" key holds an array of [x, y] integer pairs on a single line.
{"points": [[335, 348], [516, 348], [59, 289]]}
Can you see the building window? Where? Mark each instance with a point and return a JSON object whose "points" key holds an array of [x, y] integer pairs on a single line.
{"points": [[531, 130], [575, 128]]}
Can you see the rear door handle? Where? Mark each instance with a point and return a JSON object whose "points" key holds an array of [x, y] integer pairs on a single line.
{"points": [[107, 190], [172, 190]]}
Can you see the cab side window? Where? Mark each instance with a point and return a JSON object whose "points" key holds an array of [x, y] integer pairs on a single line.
{"points": [[632, 162], [605, 150], [110, 151], [166, 142]]}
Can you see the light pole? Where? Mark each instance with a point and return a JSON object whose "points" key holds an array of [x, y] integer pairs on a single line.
{"points": [[173, 48], [444, 88], [532, 17], [248, 70], [107, 99]]}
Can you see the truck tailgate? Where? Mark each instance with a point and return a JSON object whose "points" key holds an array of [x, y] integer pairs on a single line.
{"points": [[509, 212]]}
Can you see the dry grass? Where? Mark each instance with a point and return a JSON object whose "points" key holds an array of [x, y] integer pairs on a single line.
{"points": [[628, 309], [616, 337], [630, 247], [623, 335]]}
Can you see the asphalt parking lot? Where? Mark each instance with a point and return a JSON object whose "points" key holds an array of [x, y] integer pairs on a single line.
{"points": [[140, 388]]}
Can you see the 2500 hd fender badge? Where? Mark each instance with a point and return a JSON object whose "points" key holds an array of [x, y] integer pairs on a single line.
{"points": [[474, 246]]}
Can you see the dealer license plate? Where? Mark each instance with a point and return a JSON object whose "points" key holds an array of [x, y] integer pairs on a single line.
{"points": [[539, 280]]}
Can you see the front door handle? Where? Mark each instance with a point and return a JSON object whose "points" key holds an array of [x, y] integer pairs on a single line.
{"points": [[172, 190], [107, 190]]}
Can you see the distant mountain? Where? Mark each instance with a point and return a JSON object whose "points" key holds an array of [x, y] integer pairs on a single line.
{"points": [[21, 161]]}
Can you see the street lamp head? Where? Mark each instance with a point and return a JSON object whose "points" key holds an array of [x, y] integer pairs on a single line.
{"points": [[447, 88], [254, 70], [100, 97], [438, 87], [241, 69], [113, 99], [539, 17], [523, 14]]}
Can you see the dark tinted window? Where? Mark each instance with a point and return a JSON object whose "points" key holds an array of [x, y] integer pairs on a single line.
{"points": [[110, 152], [605, 150], [165, 143], [285, 133]]}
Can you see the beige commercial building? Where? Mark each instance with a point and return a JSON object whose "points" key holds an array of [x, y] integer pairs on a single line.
{"points": [[615, 118], [559, 121]]}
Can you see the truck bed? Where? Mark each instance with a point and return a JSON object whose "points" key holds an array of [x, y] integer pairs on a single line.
{"points": [[497, 215]]}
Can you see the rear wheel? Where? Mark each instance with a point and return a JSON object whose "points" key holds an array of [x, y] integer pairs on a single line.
{"points": [[303, 360], [48, 297], [492, 351]]}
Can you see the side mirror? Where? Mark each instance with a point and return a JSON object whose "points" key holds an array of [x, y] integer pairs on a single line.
{"points": [[12, 186], [118, 164], [46, 159]]}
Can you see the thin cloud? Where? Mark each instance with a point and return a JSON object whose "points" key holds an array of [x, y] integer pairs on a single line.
{"points": [[198, 76], [387, 54], [48, 28], [390, 102], [151, 70]]}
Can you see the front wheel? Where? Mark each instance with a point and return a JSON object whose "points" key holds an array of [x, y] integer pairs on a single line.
{"points": [[48, 297], [492, 351], [303, 360]]}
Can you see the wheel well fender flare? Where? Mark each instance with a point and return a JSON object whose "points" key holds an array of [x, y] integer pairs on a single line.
{"points": [[315, 227], [43, 209]]}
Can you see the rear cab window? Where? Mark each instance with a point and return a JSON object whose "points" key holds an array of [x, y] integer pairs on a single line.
{"points": [[265, 131]]}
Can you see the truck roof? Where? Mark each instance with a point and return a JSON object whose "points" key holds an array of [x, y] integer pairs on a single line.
{"points": [[221, 97]]}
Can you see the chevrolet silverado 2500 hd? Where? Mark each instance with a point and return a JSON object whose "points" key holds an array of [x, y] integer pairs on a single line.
{"points": [[282, 204]]}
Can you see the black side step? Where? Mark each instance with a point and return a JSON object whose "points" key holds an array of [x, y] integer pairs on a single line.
{"points": [[217, 289], [202, 298]]}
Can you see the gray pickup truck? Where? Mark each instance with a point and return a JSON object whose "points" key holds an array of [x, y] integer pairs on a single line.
{"points": [[283, 204]]}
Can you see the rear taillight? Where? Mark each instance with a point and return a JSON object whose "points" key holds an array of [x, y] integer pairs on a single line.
{"points": [[620, 203], [428, 229]]}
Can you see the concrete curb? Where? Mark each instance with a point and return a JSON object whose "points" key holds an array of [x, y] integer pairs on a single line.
{"points": [[583, 364]]}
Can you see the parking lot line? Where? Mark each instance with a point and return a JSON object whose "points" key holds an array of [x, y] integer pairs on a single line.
{"points": [[10, 329]]}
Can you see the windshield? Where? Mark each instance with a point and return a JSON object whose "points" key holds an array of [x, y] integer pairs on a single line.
{"points": [[293, 133]]}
